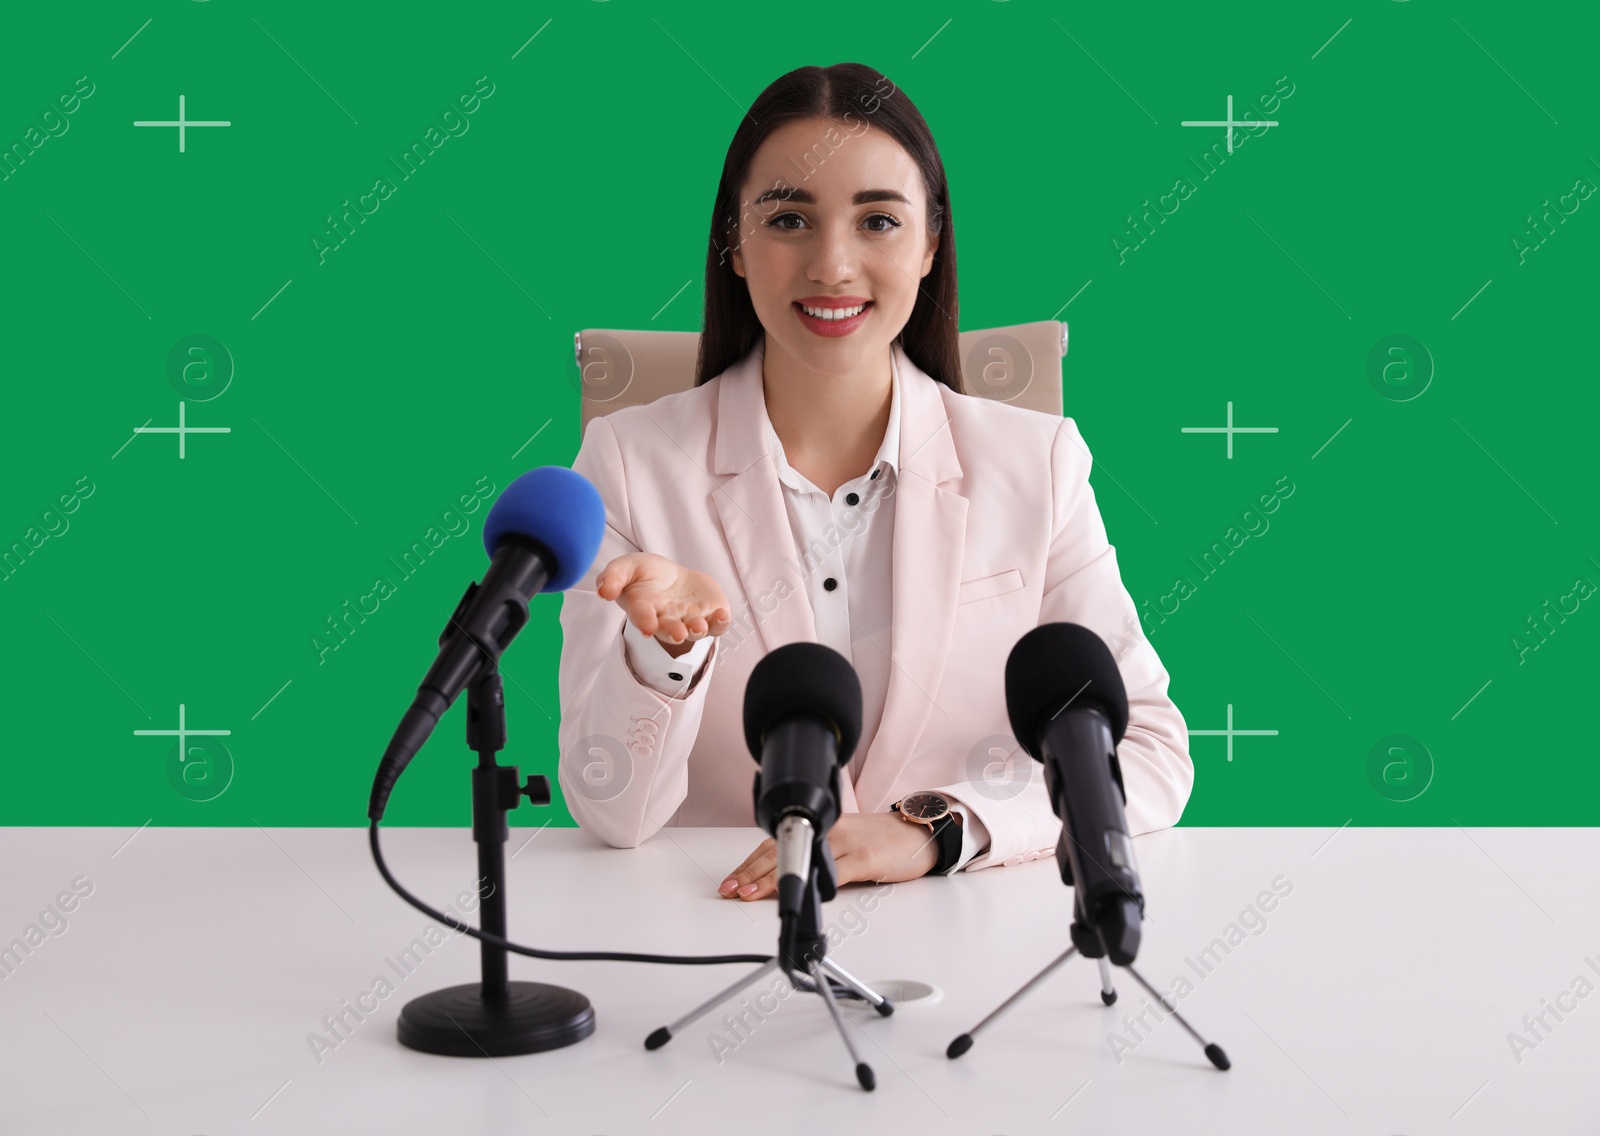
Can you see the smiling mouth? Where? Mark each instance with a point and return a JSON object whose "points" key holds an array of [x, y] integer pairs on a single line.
{"points": [[833, 314]]}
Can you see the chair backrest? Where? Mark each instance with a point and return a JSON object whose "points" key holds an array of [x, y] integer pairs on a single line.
{"points": [[1020, 364]]}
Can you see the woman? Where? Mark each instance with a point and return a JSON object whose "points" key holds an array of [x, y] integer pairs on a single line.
{"points": [[827, 473]]}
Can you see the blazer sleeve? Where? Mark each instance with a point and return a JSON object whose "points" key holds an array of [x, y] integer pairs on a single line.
{"points": [[1083, 585], [657, 669], [624, 766]]}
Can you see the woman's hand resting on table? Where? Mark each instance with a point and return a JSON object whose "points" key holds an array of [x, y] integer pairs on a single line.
{"points": [[876, 847], [675, 604], [678, 606]]}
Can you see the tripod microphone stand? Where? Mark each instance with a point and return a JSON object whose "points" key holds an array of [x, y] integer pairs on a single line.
{"points": [[1087, 942], [803, 948]]}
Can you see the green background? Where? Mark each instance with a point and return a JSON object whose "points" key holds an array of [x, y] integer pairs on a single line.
{"points": [[373, 390]]}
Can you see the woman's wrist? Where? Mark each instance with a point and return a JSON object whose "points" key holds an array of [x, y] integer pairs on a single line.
{"points": [[676, 650]]}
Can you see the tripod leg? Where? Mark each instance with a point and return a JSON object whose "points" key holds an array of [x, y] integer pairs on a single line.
{"points": [[663, 1035], [863, 1070], [879, 1002], [1108, 992], [1213, 1051], [963, 1043]]}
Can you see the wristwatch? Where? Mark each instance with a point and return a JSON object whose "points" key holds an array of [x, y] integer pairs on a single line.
{"points": [[933, 811]]}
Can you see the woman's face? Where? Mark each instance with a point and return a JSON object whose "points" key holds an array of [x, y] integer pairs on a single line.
{"points": [[833, 218]]}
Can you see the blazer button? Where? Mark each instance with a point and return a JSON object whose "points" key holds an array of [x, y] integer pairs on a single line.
{"points": [[1012, 861], [676, 677]]}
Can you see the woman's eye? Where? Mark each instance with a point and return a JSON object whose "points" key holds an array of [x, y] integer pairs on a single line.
{"points": [[778, 223]]}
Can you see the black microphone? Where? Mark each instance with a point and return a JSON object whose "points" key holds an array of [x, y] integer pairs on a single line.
{"points": [[1069, 709], [802, 720], [542, 534]]}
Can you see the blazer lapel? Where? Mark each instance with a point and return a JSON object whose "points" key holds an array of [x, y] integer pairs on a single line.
{"points": [[755, 520], [930, 528]]}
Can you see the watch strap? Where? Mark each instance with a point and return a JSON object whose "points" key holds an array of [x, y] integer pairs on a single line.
{"points": [[947, 834]]}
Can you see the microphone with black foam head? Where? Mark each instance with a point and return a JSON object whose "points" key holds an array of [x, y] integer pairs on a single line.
{"points": [[802, 720], [1069, 709], [542, 534]]}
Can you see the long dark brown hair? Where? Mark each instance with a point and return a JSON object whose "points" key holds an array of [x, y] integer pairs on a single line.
{"points": [[849, 93]]}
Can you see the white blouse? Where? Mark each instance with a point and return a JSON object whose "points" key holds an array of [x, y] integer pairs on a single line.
{"points": [[843, 550]]}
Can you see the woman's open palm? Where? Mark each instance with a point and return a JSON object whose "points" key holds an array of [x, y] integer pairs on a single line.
{"points": [[665, 599]]}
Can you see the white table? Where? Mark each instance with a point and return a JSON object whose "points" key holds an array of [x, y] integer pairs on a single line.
{"points": [[1378, 998]]}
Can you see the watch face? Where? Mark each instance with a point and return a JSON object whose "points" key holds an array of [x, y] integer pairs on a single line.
{"points": [[927, 807]]}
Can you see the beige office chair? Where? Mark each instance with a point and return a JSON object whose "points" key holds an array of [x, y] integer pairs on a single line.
{"points": [[1020, 364]]}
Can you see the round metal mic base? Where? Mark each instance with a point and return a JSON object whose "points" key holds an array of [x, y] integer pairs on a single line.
{"points": [[457, 1022]]}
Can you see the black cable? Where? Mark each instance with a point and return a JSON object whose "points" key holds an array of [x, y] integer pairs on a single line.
{"points": [[803, 984], [839, 989], [534, 952]]}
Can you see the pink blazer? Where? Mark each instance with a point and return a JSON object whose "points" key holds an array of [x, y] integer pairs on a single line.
{"points": [[996, 531]]}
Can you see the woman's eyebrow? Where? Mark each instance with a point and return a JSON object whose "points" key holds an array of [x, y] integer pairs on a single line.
{"points": [[805, 197]]}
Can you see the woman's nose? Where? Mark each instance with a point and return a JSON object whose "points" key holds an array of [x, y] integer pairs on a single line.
{"points": [[833, 256]]}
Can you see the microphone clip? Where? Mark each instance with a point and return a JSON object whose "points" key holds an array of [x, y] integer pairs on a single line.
{"points": [[491, 651]]}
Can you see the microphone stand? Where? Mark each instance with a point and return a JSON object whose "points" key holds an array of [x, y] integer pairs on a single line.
{"points": [[1086, 941], [807, 952], [494, 1017]]}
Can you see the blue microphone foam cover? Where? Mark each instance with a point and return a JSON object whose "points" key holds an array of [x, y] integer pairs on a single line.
{"points": [[559, 508]]}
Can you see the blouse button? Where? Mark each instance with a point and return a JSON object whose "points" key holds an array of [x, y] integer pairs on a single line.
{"points": [[852, 499], [830, 583]]}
